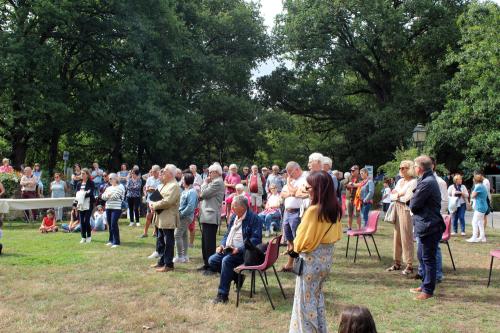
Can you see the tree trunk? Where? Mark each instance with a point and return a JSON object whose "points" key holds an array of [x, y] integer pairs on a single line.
{"points": [[116, 152], [18, 135], [53, 150]]}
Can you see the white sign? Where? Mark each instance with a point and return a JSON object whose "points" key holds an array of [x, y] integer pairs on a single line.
{"points": [[370, 170], [65, 155]]}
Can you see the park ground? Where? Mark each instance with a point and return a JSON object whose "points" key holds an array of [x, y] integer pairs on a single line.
{"points": [[51, 283]]}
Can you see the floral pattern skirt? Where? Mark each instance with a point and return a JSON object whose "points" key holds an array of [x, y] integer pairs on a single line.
{"points": [[308, 314]]}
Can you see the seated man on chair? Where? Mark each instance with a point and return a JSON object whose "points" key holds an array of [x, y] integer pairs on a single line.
{"points": [[244, 225]]}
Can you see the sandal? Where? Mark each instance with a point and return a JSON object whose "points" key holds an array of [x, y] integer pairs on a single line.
{"points": [[407, 271], [395, 267], [284, 269]]}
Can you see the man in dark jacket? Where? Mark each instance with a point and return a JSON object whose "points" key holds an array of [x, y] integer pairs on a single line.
{"points": [[428, 224], [244, 225]]}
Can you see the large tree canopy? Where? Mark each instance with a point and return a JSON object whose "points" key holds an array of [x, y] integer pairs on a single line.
{"points": [[368, 70], [470, 122], [142, 81]]}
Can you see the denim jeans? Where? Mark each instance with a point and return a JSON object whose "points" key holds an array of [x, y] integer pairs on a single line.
{"points": [[112, 216], [225, 264], [365, 209], [427, 255], [459, 215], [270, 218], [291, 221], [439, 263]]}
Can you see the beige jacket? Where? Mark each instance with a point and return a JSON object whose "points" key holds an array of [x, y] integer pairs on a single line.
{"points": [[168, 218]]}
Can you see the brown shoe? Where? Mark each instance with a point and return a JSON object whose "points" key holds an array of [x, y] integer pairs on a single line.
{"points": [[416, 290], [155, 266], [164, 269], [422, 297]]}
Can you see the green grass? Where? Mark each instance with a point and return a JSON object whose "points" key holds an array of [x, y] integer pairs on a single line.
{"points": [[51, 283]]}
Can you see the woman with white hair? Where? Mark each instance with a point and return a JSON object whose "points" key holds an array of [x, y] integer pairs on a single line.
{"points": [[114, 195], [272, 212], [315, 162], [240, 190], [230, 182], [6, 167]]}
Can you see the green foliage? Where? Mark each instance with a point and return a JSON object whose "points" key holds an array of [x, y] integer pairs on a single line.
{"points": [[10, 181], [470, 122], [369, 71], [391, 168], [495, 202]]}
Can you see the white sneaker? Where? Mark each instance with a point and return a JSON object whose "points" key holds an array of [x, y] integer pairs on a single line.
{"points": [[266, 234], [131, 224], [462, 233], [483, 240], [83, 241], [473, 240], [177, 260], [154, 255], [453, 233], [109, 244], [114, 246], [186, 259], [89, 239], [137, 224]]}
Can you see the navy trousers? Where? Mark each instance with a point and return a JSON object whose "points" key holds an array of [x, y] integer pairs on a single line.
{"points": [[225, 264], [426, 252]]}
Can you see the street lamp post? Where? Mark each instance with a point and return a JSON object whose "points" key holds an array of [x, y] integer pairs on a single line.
{"points": [[419, 135]]}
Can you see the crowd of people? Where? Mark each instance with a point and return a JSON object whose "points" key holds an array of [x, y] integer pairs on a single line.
{"points": [[305, 206]]}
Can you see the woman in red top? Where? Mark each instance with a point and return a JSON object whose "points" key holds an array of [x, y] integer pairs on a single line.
{"points": [[49, 222]]}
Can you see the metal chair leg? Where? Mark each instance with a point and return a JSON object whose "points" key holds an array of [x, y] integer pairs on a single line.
{"points": [[491, 268], [251, 283], [451, 256], [267, 291], [373, 239], [347, 248], [238, 289], [279, 282], [265, 276], [356, 251], [369, 253]]}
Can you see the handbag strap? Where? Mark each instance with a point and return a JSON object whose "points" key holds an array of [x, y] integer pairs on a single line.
{"points": [[328, 230]]}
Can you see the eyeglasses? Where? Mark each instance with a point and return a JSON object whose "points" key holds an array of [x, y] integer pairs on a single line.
{"points": [[403, 168]]}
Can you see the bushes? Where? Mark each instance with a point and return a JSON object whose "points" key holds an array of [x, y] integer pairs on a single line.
{"points": [[11, 183], [495, 202]]}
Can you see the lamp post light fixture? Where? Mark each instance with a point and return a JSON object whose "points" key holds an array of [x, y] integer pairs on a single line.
{"points": [[419, 135]]}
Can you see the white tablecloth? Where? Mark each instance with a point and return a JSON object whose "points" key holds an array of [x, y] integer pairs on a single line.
{"points": [[22, 204]]}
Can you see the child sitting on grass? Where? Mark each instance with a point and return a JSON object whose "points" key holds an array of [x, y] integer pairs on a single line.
{"points": [[98, 221], [49, 222], [74, 222]]}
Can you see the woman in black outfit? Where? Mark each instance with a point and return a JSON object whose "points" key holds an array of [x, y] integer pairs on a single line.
{"points": [[88, 186]]}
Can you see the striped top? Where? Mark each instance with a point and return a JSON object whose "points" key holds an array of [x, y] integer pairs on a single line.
{"points": [[114, 195]]}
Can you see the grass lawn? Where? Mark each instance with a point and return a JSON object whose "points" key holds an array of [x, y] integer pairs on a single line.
{"points": [[51, 283]]}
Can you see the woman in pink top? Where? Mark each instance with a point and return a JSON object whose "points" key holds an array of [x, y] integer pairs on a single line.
{"points": [[230, 182], [6, 167], [240, 190]]}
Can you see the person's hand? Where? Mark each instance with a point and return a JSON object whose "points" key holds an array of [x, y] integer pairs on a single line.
{"points": [[151, 207], [219, 249], [235, 251]]}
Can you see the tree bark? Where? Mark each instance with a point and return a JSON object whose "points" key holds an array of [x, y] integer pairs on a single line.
{"points": [[53, 150]]}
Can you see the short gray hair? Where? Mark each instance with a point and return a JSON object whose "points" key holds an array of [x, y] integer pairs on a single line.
{"points": [[113, 176], [327, 160], [240, 200], [172, 169], [424, 162], [239, 187], [155, 167], [233, 166], [215, 167], [292, 165], [316, 157]]}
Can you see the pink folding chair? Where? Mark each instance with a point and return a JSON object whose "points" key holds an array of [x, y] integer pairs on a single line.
{"points": [[368, 231], [447, 235], [493, 254], [272, 255]]}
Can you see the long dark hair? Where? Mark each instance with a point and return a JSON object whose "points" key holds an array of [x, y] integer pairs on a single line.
{"points": [[357, 319], [324, 196]]}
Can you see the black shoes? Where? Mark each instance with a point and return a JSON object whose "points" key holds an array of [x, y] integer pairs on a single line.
{"points": [[220, 299], [418, 277], [202, 268], [209, 272]]}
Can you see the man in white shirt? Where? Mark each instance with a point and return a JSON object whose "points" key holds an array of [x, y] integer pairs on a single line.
{"points": [[152, 184], [244, 225], [294, 193], [198, 181]]}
